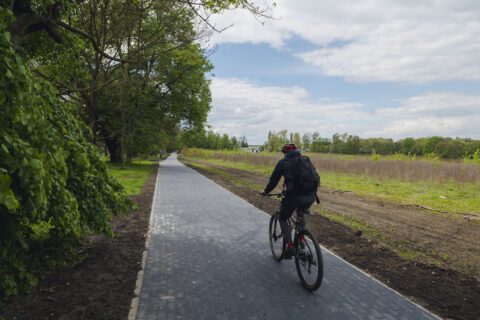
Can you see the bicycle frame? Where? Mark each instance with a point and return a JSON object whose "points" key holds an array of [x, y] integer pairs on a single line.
{"points": [[308, 256], [295, 222]]}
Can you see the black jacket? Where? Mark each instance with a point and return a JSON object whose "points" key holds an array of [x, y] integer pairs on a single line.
{"points": [[284, 168]]}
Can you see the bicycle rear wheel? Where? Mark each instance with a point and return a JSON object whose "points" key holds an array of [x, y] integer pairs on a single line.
{"points": [[277, 245], [308, 260]]}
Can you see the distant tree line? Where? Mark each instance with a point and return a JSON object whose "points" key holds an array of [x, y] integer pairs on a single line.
{"points": [[446, 148], [200, 138]]}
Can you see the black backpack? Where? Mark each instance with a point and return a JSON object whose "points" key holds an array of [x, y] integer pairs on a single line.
{"points": [[305, 177]]}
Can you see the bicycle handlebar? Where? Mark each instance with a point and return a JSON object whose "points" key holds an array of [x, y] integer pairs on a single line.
{"points": [[271, 194]]}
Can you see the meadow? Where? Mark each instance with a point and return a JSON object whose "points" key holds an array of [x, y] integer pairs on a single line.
{"points": [[449, 186]]}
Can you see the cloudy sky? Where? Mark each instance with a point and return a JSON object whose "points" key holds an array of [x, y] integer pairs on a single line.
{"points": [[373, 68]]}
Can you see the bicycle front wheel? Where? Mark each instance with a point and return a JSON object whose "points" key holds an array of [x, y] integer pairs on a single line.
{"points": [[308, 260], [277, 245]]}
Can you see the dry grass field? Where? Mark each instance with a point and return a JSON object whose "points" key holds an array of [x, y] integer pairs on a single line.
{"points": [[399, 167]]}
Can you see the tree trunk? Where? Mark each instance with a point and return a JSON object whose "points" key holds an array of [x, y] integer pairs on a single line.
{"points": [[113, 147]]}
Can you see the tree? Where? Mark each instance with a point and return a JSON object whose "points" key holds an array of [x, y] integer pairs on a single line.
{"points": [[196, 137], [133, 106], [276, 140], [36, 16], [243, 142], [321, 145], [450, 149], [306, 139], [407, 145], [337, 143], [225, 142], [234, 144], [430, 144], [297, 139]]}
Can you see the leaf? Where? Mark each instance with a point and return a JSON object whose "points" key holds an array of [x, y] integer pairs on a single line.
{"points": [[36, 164], [4, 148], [5, 181], [21, 69], [11, 202]]}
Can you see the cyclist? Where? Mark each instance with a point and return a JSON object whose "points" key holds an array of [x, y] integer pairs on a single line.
{"points": [[294, 197]]}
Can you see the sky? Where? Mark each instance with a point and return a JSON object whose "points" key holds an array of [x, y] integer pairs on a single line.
{"points": [[372, 68]]}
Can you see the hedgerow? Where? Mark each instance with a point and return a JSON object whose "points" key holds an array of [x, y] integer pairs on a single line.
{"points": [[54, 187]]}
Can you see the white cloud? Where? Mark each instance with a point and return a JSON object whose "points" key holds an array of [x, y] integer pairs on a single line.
{"points": [[436, 113], [243, 108], [373, 40]]}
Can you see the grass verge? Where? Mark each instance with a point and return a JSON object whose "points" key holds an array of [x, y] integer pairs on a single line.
{"points": [[134, 176]]}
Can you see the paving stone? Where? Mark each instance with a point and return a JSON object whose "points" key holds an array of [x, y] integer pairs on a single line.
{"points": [[209, 258]]}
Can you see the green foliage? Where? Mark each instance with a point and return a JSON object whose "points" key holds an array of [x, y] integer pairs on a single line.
{"points": [[53, 185], [375, 156], [134, 107], [432, 156], [276, 140], [475, 157], [430, 144], [197, 137], [432, 148]]}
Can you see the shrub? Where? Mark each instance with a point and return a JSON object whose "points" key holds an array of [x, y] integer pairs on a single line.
{"points": [[54, 186]]}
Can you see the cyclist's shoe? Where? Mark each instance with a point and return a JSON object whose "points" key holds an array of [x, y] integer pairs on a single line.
{"points": [[291, 251]]}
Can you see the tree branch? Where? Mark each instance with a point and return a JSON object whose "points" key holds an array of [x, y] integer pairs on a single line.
{"points": [[92, 40], [206, 19]]}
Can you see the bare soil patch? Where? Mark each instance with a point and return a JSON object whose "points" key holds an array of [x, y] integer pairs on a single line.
{"points": [[102, 285], [447, 292]]}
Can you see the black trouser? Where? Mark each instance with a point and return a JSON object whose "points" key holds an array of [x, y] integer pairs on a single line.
{"points": [[288, 206]]}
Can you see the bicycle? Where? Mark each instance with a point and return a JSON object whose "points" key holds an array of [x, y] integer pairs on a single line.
{"points": [[308, 259]]}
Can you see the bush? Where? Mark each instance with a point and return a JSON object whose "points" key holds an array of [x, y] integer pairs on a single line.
{"points": [[53, 185]]}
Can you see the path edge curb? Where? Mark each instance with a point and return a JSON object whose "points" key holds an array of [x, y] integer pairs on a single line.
{"points": [[132, 314]]}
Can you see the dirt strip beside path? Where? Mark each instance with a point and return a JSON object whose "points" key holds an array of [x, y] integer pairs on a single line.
{"points": [[449, 293]]}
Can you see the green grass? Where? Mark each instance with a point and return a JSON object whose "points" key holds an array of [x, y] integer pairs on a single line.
{"points": [[134, 176], [448, 197]]}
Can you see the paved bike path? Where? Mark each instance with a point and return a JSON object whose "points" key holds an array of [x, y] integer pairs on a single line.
{"points": [[209, 258]]}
